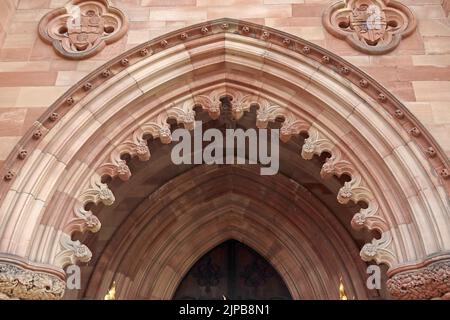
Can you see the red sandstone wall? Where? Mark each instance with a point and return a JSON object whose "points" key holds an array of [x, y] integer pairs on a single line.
{"points": [[7, 8], [32, 76], [446, 6]]}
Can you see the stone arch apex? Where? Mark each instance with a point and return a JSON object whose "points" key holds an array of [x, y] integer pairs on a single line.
{"points": [[403, 150]]}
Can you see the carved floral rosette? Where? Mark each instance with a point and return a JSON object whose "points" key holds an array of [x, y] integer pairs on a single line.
{"points": [[20, 283], [83, 28], [370, 26]]}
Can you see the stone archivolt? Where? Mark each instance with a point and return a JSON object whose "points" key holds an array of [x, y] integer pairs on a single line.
{"points": [[355, 190], [399, 162], [376, 91], [371, 26], [83, 28]]}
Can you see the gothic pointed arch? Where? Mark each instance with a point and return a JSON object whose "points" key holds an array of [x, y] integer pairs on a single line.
{"points": [[57, 171]]}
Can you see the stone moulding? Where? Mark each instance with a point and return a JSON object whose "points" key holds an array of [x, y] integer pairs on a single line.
{"points": [[370, 26], [439, 161], [18, 282], [82, 28], [355, 190], [433, 171], [428, 282]]}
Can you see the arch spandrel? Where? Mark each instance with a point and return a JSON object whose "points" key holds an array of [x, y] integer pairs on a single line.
{"points": [[405, 175]]}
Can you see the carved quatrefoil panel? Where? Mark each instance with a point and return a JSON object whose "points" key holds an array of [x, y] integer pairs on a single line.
{"points": [[370, 26], [83, 28]]}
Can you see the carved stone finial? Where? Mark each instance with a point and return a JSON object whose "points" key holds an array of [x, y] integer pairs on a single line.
{"points": [[370, 26], [83, 28]]}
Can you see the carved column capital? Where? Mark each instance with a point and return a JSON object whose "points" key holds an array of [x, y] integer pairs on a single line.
{"points": [[429, 282], [17, 281]]}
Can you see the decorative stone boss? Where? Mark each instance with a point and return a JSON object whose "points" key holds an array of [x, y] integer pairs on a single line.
{"points": [[370, 26], [83, 28]]}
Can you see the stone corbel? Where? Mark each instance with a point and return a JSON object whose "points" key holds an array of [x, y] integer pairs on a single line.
{"points": [[431, 281], [19, 281]]}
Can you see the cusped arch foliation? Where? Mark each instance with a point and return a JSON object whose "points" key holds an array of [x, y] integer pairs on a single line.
{"points": [[395, 166], [224, 210]]}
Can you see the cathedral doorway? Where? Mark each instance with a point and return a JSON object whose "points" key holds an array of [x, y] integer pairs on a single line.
{"points": [[232, 271]]}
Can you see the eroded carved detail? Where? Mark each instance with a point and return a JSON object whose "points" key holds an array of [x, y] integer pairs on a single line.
{"points": [[183, 113], [336, 165], [315, 144], [84, 220], [354, 190], [117, 167], [19, 283], [158, 129], [267, 113], [98, 192], [210, 103], [371, 26], [379, 250], [83, 28], [432, 281], [240, 103], [292, 126], [71, 252]]}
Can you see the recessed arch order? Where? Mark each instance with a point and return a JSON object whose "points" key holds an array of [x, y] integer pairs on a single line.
{"points": [[395, 166]]}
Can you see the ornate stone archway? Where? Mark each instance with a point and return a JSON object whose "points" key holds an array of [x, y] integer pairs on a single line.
{"points": [[294, 231], [396, 168]]}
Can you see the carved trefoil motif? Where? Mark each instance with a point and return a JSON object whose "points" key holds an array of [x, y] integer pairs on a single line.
{"points": [[82, 29], [370, 26]]}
